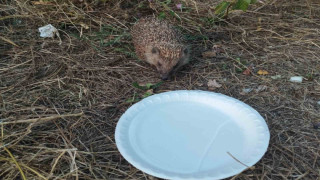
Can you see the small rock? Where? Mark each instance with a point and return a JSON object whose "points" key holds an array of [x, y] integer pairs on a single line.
{"points": [[297, 79], [318, 103]]}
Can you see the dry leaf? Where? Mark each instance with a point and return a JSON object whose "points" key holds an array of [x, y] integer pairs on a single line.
{"points": [[259, 24], [213, 84], [216, 49], [263, 72], [247, 71], [209, 54], [150, 91], [84, 26]]}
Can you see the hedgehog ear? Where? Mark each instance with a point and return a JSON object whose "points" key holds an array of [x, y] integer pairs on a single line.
{"points": [[155, 50]]}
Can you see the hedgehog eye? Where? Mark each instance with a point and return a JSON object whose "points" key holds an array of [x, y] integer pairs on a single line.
{"points": [[154, 50], [185, 51], [159, 64]]}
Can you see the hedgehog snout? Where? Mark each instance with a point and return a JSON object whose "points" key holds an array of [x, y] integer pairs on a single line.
{"points": [[165, 76]]}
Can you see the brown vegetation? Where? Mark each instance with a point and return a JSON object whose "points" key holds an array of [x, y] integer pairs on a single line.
{"points": [[60, 100]]}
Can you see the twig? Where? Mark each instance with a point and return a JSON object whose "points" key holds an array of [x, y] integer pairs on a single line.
{"points": [[14, 160], [12, 67], [25, 166], [55, 163], [248, 167], [42, 119]]}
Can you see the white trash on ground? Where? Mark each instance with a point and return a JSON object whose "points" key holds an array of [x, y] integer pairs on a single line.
{"points": [[48, 31], [297, 79], [276, 77]]}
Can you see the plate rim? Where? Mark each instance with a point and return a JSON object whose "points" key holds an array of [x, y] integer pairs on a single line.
{"points": [[149, 170]]}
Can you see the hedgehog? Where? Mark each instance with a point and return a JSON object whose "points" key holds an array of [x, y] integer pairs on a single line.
{"points": [[159, 44]]}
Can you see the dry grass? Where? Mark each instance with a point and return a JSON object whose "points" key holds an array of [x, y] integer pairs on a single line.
{"points": [[59, 104]]}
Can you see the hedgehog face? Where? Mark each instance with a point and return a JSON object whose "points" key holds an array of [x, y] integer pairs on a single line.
{"points": [[167, 59]]}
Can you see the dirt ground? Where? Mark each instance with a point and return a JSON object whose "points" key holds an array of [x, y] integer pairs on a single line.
{"points": [[61, 98]]}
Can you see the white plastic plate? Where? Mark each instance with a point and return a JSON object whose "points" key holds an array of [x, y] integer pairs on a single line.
{"points": [[192, 135]]}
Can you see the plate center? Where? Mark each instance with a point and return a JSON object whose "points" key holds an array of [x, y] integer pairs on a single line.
{"points": [[186, 137]]}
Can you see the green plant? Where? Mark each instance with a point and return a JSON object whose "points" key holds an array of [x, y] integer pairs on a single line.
{"points": [[162, 15], [310, 76], [148, 88], [224, 7], [166, 5]]}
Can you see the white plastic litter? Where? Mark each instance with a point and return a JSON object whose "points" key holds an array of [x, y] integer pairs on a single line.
{"points": [[48, 31], [297, 79], [276, 77], [185, 135]]}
